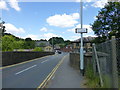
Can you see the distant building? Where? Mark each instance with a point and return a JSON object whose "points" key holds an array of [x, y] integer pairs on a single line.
{"points": [[45, 45], [48, 49], [68, 48], [39, 43], [87, 44], [57, 47]]}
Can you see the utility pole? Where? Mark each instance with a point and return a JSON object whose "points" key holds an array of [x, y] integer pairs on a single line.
{"points": [[52, 43]]}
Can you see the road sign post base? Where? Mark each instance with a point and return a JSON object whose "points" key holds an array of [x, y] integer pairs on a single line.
{"points": [[82, 72]]}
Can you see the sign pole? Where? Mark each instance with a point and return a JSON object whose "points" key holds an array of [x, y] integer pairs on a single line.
{"points": [[81, 43], [81, 30]]}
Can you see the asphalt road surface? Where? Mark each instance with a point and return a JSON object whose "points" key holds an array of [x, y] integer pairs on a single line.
{"points": [[31, 74]]}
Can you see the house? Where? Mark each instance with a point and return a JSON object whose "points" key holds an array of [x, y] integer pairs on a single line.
{"points": [[39, 43], [48, 48], [44, 44], [87, 44], [56, 47], [67, 48]]}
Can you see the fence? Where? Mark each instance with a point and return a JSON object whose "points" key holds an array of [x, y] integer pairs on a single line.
{"points": [[106, 62]]}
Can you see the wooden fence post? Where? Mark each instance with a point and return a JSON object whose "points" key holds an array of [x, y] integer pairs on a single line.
{"points": [[98, 65]]}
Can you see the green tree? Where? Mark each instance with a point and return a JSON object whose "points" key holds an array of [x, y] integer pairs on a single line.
{"points": [[38, 49], [56, 40], [42, 44], [28, 39], [67, 42], [7, 43], [62, 45], [19, 44], [107, 22], [29, 43]]}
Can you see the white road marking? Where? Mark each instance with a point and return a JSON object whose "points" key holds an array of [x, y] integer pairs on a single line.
{"points": [[44, 61], [53, 77], [26, 69]]}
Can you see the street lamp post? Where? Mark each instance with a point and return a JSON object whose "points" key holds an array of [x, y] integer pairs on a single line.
{"points": [[81, 31]]}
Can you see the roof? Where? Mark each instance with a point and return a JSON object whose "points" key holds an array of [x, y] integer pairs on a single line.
{"points": [[46, 43], [85, 39]]}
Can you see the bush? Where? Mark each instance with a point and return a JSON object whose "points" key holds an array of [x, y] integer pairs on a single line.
{"points": [[38, 49]]}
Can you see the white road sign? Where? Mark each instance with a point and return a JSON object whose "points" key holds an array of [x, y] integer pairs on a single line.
{"points": [[79, 30]]}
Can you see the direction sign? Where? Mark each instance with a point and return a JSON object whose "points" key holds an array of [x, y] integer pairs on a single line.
{"points": [[81, 30]]}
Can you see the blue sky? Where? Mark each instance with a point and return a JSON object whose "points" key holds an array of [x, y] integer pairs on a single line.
{"points": [[43, 20]]}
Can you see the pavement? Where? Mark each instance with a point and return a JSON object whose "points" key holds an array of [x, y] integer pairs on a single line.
{"points": [[31, 74], [66, 77]]}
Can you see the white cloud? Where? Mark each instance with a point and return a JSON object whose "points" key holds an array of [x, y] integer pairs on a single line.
{"points": [[3, 5], [74, 38], [33, 37], [99, 3], [96, 3], [10, 28], [44, 29], [89, 35], [49, 35], [85, 6], [63, 20], [95, 17], [84, 0], [75, 15], [14, 4]]}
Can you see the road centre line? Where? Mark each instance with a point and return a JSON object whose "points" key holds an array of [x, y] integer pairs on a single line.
{"points": [[44, 61], [25, 69]]}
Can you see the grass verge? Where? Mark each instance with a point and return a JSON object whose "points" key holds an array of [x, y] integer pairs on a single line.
{"points": [[93, 80]]}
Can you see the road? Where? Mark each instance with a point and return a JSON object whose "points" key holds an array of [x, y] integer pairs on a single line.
{"points": [[31, 74]]}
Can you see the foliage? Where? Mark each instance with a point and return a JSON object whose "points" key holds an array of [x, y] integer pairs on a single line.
{"points": [[92, 80], [67, 42], [2, 28], [19, 44], [28, 39], [42, 44], [62, 45], [29, 43], [43, 40], [60, 41], [10, 42], [38, 49], [7, 43], [16, 38], [99, 39], [107, 22], [56, 40]]}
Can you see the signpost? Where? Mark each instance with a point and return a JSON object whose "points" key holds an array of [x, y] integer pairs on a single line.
{"points": [[81, 31]]}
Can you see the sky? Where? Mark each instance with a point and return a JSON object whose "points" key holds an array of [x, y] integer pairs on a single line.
{"points": [[43, 20]]}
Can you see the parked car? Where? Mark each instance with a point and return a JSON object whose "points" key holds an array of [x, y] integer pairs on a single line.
{"points": [[59, 52]]}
